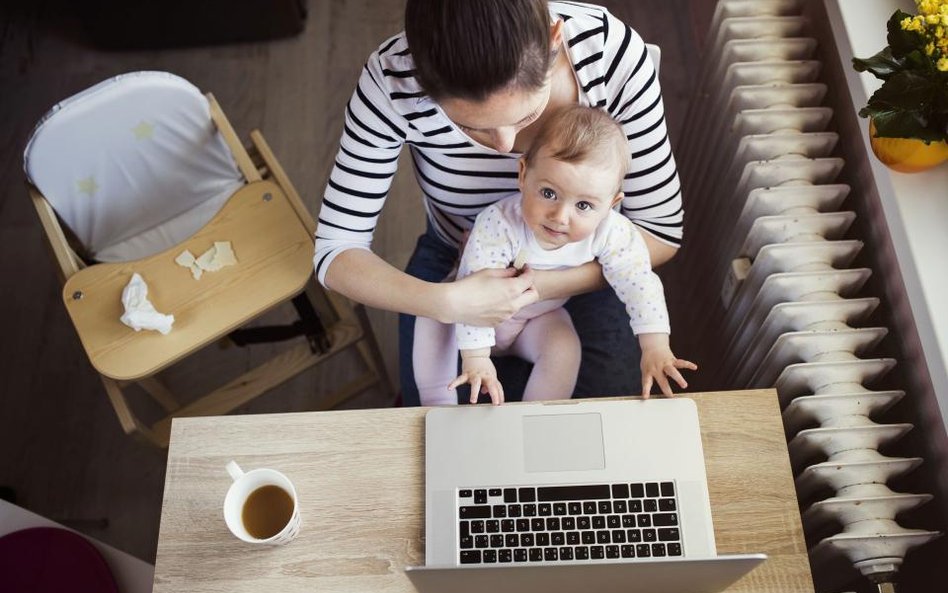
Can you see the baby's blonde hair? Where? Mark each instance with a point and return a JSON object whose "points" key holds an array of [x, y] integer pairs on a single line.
{"points": [[575, 134]]}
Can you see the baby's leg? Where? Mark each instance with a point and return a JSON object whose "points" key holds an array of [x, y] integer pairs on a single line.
{"points": [[435, 362], [551, 344]]}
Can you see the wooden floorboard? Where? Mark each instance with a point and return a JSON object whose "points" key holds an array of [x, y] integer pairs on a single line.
{"points": [[61, 447]]}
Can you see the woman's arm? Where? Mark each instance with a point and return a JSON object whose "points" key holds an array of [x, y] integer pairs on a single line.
{"points": [[562, 284], [484, 298]]}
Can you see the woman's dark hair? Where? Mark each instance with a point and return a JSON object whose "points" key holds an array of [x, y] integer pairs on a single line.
{"points": [[469, 49]]}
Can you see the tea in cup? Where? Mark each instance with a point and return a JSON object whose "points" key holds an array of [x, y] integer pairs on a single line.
{"points": [[261, 506]]}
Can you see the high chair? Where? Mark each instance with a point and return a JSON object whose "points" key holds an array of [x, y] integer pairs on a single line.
{"points": [[128, 174]]}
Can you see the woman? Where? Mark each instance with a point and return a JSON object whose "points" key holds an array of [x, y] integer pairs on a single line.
{"points": [[466, 86]]}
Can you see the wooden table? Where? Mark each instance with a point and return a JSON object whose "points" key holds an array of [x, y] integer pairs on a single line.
{"points": [[360, 480]]}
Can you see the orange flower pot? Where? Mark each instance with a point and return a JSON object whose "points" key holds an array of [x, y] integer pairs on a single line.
{"points": [[907, 155]]}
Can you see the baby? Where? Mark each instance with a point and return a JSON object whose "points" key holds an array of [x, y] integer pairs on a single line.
{"points": [[570, 180]]}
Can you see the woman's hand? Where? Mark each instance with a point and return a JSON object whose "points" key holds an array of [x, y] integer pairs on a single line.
{"points": [[659, 363], [478, 370], [488, 297]]}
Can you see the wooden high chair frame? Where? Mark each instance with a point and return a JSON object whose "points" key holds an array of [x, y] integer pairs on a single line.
{"points": [[272, 268]]}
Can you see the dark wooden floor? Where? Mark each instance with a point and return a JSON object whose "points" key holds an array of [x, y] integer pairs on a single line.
{"points": [[61, 448]]}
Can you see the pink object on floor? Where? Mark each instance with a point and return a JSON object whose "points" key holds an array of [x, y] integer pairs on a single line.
{"points": [[47, 560]]}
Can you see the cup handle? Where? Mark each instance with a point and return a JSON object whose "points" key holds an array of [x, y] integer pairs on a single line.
{"points": [[234, 470]]}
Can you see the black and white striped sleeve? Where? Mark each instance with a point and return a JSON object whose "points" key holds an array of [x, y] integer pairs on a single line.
{"points": [[652, 189], [372, 138]]}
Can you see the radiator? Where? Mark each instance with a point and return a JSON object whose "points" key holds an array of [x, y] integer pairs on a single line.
{"points": [[771, 234]]}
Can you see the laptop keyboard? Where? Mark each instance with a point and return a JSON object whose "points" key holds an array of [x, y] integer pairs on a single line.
{"points": [[568, 523]]}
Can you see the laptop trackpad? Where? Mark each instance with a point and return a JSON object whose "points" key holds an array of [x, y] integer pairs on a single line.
{"points": [[562, 442]]}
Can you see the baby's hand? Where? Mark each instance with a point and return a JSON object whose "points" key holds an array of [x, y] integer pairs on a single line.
{"points": [[659, 361], [478, 370]]}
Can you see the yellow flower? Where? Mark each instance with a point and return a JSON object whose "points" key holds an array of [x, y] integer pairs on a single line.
{"points": [[943, 64], [930, 49]]}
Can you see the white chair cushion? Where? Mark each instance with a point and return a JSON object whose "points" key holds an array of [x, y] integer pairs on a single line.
{"points": [[132, 165]]}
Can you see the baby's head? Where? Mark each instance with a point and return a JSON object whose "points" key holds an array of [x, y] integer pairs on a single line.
{"points": [[571, 176]]}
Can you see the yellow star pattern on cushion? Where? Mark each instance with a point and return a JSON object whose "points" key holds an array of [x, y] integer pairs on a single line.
{"points": [[87, 186], [143, 131]]}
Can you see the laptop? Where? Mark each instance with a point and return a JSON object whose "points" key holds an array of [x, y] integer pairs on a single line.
{"points": [[573, 495]]}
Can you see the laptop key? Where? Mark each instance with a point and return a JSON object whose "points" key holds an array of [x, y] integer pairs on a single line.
{"points": [[651, 489], [481, 541], [543, 539], [530, 510], [585, 492], [490, 556], [566, 553], [619, 506], [581, 553], [666, 534], [464, 529], [493, 492], [471, 557], [537, 525], [628, 551], [618, 536], [613, 521], [527, 494], [477, 527], [633, 535], [649, 535], [545, 509], [666, 504], [500, 511], [649, 505], [628, 520], [558, 538], [467, 542], [550, 554], [635, 506], [602, 537], [620, 491], [512, 540], [520, 555], [665, 520], [644, 521], [507, 525], [572, 538], [497, 541], [612, 551], [480, 496], [472, 512], [536, 555], [673, 549], [589, 537], [553, 524], [523, 524], [599, 522], [667, 488], [589, 508], [465, 493], [514, 510], [658, 550], [605, 507], [559, 508], [575, 508], [636, 490], [526, 540], [492, 526], [510, 495], [569, 523], [504, 555], [597, 552], [643, 550], [583, 523]]}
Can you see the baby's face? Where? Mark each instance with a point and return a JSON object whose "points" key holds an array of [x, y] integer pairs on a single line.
{"points": [[565, 202]]}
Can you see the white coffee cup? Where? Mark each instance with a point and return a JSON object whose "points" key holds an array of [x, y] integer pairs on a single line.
{"points": [[246, 483]]}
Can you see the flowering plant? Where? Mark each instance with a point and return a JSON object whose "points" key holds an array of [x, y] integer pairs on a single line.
{"points": [[913, 99]]}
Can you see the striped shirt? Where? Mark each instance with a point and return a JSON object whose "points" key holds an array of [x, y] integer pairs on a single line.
{"points": [[458, 176]]}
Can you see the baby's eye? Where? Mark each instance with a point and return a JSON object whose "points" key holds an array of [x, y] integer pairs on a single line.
{"points": [[584, 206], [548, 193]]}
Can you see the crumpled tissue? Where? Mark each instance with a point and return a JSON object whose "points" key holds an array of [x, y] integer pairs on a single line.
{"points": [[139, 312]]}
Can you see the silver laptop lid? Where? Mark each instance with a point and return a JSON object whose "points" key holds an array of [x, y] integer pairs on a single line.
{"points": [[706, 575]]}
